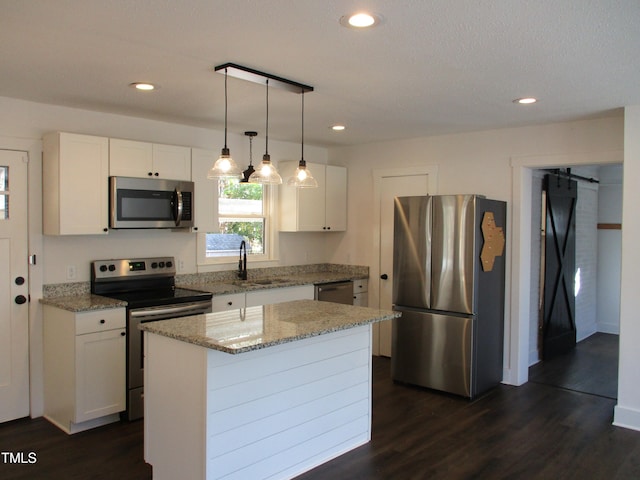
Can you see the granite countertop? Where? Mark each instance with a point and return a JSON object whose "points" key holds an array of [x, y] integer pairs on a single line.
{"points": [[240, 286], [79, 301], [253, 328], [83, 302]]}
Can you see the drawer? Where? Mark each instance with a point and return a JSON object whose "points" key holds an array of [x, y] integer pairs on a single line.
{"points": [[100, 320], [360, 286], [220, 303]]}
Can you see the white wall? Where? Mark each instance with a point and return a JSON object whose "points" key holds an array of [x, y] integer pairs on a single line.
{"points": [[609, 249], [627, 411]]}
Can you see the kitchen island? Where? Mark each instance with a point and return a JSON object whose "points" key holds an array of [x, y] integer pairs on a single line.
{"points": [[262, 392]]}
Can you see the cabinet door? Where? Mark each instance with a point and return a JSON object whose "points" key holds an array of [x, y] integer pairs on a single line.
{"points": [[311, 202], [128, 158], [172, 162], [336, 198], [279, 295], [206, 198], [100, 374], [221, 303], [75, 184]]}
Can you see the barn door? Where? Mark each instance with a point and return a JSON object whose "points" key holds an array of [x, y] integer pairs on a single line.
{"points": [[558, 319]]}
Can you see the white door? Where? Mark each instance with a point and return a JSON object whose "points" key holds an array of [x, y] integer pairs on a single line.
{"points": [[391, 187], [14, 287]]}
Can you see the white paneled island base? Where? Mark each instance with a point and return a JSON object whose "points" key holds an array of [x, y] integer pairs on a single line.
{"points": [[271, 412]]}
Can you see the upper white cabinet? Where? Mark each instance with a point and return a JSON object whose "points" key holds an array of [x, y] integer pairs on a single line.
{"points": [[75, 194], [129, 158], [319, 209], [206, 191]]}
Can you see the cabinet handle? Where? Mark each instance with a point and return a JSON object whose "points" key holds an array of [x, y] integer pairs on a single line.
{"points": [[122, 334], [150, 174], [384, 276], [156, 174], [102, 321], [229, 303]]}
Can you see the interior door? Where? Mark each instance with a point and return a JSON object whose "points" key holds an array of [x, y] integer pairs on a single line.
{"points": [[558, 319], [14, 287], [391, 187]]}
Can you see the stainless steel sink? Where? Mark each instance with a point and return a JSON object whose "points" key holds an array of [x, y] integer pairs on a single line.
{"points": [[264, 281]]}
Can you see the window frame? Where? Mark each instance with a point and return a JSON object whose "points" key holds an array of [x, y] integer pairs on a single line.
{"points": [[268, 211]]}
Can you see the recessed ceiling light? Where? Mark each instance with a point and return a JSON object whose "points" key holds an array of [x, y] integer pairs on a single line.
{"points": [[143, 86], [338, 128], [360, 20], [525, 101]]}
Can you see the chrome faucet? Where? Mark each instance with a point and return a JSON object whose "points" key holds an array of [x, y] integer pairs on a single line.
{"points": [[242, 263]]}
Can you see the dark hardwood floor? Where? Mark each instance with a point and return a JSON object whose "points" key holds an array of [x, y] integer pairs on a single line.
{"points": [[536, 431]]}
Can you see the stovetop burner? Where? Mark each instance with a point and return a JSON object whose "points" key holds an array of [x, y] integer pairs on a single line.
{"points": [[141, 282]]}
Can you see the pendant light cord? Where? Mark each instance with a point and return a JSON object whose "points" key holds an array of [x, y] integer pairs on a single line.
{"points": [[266, 142], [302, 136], [225, 108]]}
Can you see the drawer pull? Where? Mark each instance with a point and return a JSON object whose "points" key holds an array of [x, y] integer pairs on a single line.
{"points": [[102, 321]]}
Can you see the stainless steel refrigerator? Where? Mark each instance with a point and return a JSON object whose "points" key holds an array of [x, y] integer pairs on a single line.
{"points": [[448, 282]]}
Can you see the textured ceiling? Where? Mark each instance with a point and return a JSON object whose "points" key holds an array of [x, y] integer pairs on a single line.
{"points": [[432, 67]]}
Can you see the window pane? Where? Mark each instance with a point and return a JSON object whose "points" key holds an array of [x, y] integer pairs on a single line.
{"points": [[239, 198], [233, 231]]}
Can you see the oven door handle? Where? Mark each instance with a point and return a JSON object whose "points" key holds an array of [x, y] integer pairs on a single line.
{"points": [[146, 314]]}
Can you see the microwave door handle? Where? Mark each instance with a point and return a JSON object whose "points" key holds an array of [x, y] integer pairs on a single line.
{"points": [[179, 207]]}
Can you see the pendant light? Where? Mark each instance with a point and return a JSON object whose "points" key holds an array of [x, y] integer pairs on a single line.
{"points": [[302, 177], [224, 167], [266, 173], [247, 173]]}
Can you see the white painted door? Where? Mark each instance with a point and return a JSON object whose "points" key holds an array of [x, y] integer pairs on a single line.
{"points": [[14, 287], [392, 186]]}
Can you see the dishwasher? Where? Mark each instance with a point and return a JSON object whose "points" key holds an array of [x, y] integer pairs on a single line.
{"points": [[336, 292]]}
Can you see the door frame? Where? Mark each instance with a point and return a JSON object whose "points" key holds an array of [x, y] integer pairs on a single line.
{"points": [[518, 286], [378, 174], [33, 149]]}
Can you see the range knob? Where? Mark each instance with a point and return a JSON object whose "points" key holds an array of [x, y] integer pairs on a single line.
{"points": [[169, 264], [161, 264], [103, 268], [154, 265], [112, 268]]}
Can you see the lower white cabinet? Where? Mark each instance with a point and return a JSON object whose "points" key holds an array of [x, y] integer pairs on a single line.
{"points": [[221, 303], [279, 295], [361, 293], [84, 367]]}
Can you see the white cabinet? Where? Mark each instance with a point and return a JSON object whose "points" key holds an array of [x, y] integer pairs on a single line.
{"points": [[360, 293], [279, 295], [75, 185], [129, 158], [314, 209], [221, 303], [206, 192], [84, 367]]}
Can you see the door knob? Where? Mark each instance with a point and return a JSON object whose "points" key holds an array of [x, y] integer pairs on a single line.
{"points": [[19, 280], [20, 299], [384, 276]]}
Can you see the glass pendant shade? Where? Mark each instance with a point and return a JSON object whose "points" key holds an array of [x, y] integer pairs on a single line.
{"points": [[224, 167], [266, 173], [302, 177]]}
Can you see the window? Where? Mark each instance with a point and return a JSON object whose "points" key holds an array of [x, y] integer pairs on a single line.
{"points": [[4, 193], [242, 215]]}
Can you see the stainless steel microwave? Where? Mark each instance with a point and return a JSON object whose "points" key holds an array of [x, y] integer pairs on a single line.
{"points": [[150, 203]]}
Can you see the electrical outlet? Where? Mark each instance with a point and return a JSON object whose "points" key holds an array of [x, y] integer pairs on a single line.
{"points": [[181, 265], [71, 272]]}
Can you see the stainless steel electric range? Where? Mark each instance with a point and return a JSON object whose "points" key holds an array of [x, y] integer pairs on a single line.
{"points": [[148, 287]]}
